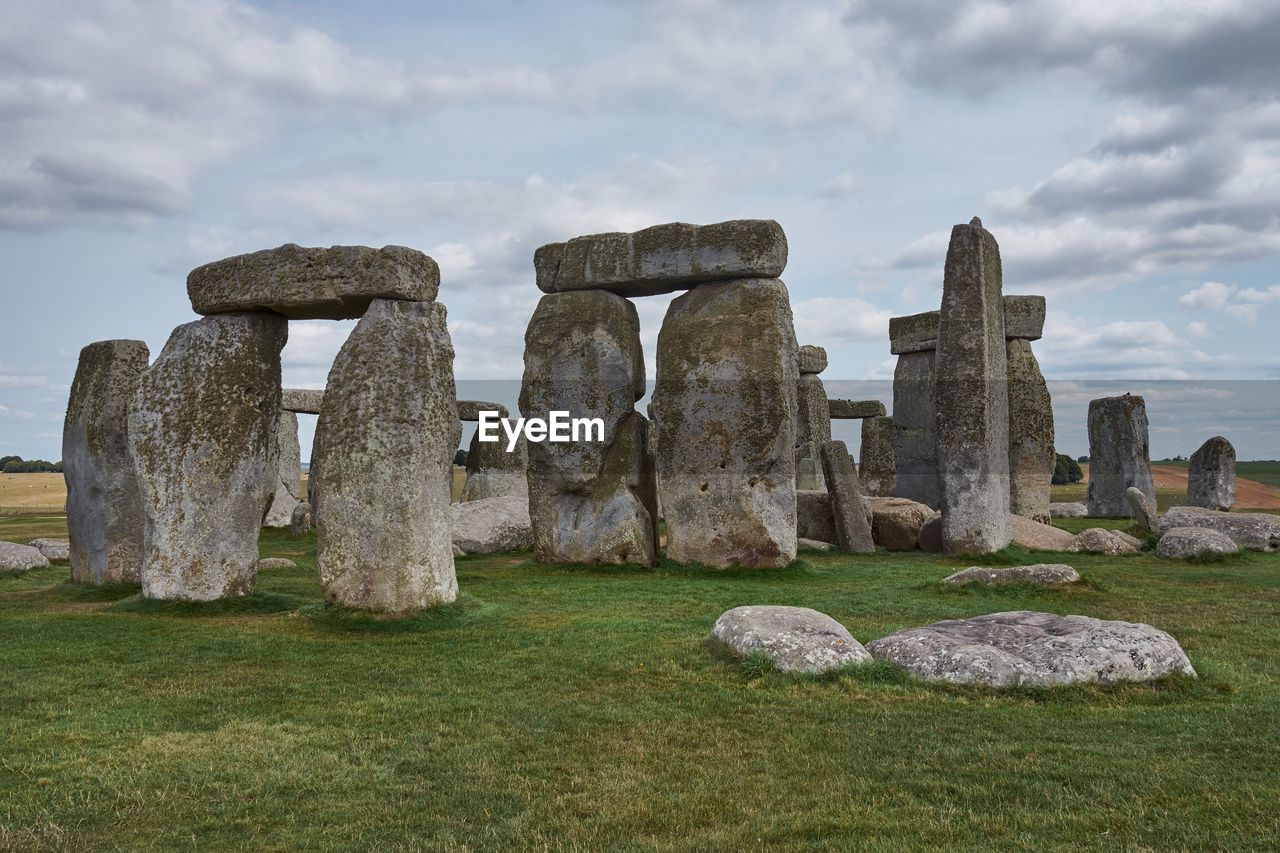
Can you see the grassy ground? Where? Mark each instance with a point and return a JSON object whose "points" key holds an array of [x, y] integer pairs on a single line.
{"points": [[579, 707]]}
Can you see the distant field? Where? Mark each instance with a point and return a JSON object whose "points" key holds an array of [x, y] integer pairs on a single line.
{"points": [[1252, 492], [1266, 472]]}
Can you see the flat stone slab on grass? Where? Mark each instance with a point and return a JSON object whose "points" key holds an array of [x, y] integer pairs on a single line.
{"points": [[1183, 542], [1068, 509], [1097, 540], [796, 639], [1046, 574], [813, 545], [492, 524], [1022, 648], [336, 283], [20, 558], [1257, 531], [53, 549]]}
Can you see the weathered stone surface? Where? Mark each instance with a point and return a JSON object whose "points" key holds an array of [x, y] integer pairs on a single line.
{"points": [[663, 258], [300, 521], [1031, 535], [813, 427], [105, 522], [287, 485], [971, 396], [896, 522], [1031, 454], [276, 564], [590, 501], [1142, 508], [1041, 574], [915, 437], [1119, 455], [812, 359], [1183, 542], [726, 404], [1097, 540], [1211, 475], [1068, 509], [1026, 649], [814, 516], [386, 453], [813, 545], [1024, 317], [492, 524], [853, 528], [809, 468], [795, 639], [492, 472], [302, 401], [304, 283], [853, 410], [202, 435], [1257, 531], [875, 468], [469, 410], [20, 558], [54, 550]]}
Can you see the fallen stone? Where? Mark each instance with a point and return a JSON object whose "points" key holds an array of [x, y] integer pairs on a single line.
{"points": [[1211, 475], [55, 550], [493, 524], [20, 558], [469, 410], [1097, 540], [300, 520], [795, 639], [276, 563], [663, 258], [1068, 509], [1040, 574], [853, 528], [971, 396], [1142, 508], [335, 283], [853, 410], [1257, 531], [1183, 542], [386, 452], [875, 468], [812, 545], [1026, 649], [1119, 455], [915, 438], [815, 519], [896, 522], [812, 359], [1031, 454], [105, 522], [202, 434], [1031, 535], [287, 485], [725, 401], [302, 401]]}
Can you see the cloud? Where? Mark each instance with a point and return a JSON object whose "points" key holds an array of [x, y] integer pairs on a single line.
{"points": [[1197, 329], [1130, 349], [1213, 295], [828, 320], [1243, 305]]}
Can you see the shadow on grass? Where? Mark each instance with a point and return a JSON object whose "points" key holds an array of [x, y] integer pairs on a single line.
{"points": [[1020, 590], [257, 604], [456, 614], [69, 590]]}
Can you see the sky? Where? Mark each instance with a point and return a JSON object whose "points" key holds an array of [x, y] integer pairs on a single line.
{"points": [[1126, 155]]}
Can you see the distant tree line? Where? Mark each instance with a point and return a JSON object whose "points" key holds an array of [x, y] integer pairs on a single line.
{"points": [[1066, 470], [18, 465]]}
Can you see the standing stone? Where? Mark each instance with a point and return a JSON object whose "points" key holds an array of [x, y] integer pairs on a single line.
{"points": [[300, 521], [853, 528], [1211, 475], [1119, 455], [385, 451], [813, 427], [589, 501], [876, 467], [726, 404], [202, 434], [287, 485], [971, 396], [1031, 454], [105, 523], [492, 472], [1142, 509], [915, 438]]}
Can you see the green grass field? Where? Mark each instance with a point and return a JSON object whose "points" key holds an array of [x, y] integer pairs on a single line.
{"points": [[1263, 472], [580, 707]]}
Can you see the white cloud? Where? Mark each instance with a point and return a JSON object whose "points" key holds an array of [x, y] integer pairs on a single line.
{"points": [[1197, 329], [828, 320], [1243, 305], [1213, 295]]}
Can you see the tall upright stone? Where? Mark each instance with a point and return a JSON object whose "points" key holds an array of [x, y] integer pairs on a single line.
{"points": [[813, 418], [105, 522], [495, 472], [385, 447], [1031, 453], [853, 523], [202, 435], [725, 398], [971, 396], [589, 501], [915, 442], [1119, 455], [876, 470], [1211, 475], [287, 485]]}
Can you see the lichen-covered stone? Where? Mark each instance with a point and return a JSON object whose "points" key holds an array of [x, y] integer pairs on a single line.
{"points": [[813, 427], [54, 550], [1068, 509], [302, 401], [915, 437], [489, 525], [814, 517], [726, 404], [590, 501], [971, 396], [1098, 540], [853, 528], [105, 522], [300, 520], [202, 434], [1031, 453], [1142, 508], [1024, 317], [1211, 475], [852, 410], [1040, 574], [1181, 543], [812, 359], [663, 258], [896, 522], [20, 558], [1026, 649], [1257, 531], [469, 410], [794, 639], [386, 452], [304, 283], [1119, 455], [287, 487], [875, 467], [493, 472]]}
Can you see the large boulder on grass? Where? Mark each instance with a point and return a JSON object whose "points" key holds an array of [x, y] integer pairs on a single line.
{"points": [[1031, 535], [1183, 542], [1096, 540], [896, 522], [1257, 531], [794, 639], [488, 525], [56, 550], [20, 558]]}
